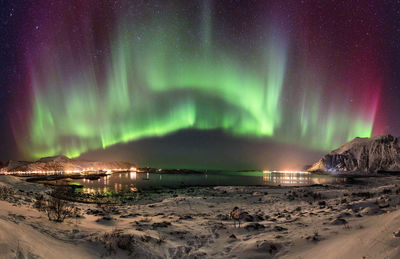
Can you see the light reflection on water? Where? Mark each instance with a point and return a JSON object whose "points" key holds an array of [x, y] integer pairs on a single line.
{"points": [[132, 181], [299, 179]]}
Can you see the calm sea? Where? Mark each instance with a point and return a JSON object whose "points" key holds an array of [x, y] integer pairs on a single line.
{"points": [[133, 181]]}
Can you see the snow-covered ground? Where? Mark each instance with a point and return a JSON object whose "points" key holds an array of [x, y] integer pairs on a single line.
{"points": [[334, 221]]}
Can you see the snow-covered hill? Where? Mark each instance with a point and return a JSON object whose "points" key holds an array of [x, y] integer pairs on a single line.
{"points": [[362, 155], [63, 163]]}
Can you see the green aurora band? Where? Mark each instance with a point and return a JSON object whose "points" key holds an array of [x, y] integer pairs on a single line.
{"points": [[157, 82]]}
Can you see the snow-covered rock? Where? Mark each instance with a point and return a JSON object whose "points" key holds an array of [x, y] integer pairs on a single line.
{"points": [[362, 155]]}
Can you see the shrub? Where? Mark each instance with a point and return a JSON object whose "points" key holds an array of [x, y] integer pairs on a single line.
{"points": [[40, 203], [57, 209], [116, 239]]}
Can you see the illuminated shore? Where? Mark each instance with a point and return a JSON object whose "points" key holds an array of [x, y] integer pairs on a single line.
{"points": [[71, 172]]}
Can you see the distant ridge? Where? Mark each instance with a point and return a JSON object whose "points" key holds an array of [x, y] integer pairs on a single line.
{"points": [[59, 158], [63, 163], [362, 155]]}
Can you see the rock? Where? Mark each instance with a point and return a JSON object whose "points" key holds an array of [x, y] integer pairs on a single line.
{"points": [[344, 215], [233, 236], [371, 211], [339, 221], [314, 237], [254, 226], [107, 217], [396, 234], [126, 242], [223, 217], [179, 252], [197, 255], [385, 205], [163, 224], [279, 228], [268, 246], [20, 217], [248, 218], [259, 217], [186, 217]]}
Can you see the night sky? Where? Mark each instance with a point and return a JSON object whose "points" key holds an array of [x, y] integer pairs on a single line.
{"points": [[196, 84]]}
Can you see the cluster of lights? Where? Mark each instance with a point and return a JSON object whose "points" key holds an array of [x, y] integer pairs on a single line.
{"points": [[83, 171], [285, 172]]}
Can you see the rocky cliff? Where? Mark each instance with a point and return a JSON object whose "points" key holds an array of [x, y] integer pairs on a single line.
{"points": [[362, 155]]}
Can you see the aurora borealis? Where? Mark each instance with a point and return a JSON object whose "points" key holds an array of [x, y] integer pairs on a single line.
{"points": [[100, 73]]}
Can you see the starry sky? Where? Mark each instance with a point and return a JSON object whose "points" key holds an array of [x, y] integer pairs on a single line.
{"points": [[197, 83]]}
